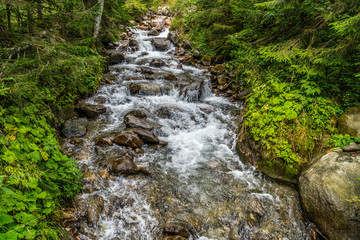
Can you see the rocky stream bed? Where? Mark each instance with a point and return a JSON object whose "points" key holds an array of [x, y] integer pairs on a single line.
{"points": [[157, 150]]}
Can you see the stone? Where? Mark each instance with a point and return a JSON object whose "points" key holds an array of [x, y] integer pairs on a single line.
{"points": [[90, 111], [144, 28], [161, 43], [75, 128], [325, 188], [100, 99], [134, 88], [145, 135], [128, 139], [124, 166], [115, 57], [104, 141], [157, 63], [154, 32], [255, 206], [171, 77], [352, 147], [176, 228], [134, 122], [146, 70], [222, 79], [192, 92], [196, 54], [95, 206], [217, 69], [104, 174], [176, 237], [90, 176], [136, 113], [349, 122]]}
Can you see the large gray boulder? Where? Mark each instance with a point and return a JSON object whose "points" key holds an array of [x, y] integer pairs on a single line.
{"points": [[115, 57], [349, 122], [326, 188]]}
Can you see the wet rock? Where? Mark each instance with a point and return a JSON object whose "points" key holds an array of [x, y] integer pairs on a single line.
{"points": [[222, 79], [104, 141], [144, 28], [136, 113], [176, 228], [324, 188], [157, 63], [124, 166], [145, 135], [176, 237], [192, 92], [134, 88], [161, 43], [206, 60], [90, 207], [256, 207], [90, 176], [180, 52], [171, 77], [196, 54], [146, 70], [75, 128], [133, 122], [100, 99], [115, 57], [128, 139], [68, 112], [173, 37], [104, 174], [154, 32], [218, 69], [349, 122], [90, 111], [352, 147]]}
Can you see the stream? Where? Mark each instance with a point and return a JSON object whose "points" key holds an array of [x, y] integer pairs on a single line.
{"points": [[194, 185]]}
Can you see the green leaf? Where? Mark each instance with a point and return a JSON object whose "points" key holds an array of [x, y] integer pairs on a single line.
{"points": [[5, 219]]}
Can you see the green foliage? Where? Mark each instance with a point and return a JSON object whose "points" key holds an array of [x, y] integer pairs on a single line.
{"points": [[340, 140], [35, 177]]}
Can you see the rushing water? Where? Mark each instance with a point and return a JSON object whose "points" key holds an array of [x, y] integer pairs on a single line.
{"points": [[197, 180]]}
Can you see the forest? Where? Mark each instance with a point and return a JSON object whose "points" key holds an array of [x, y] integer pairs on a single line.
{"points": [[300, 58]]}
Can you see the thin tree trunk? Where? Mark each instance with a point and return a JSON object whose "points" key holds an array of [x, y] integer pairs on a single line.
{"points": [[39, 9], [19, 17], [98, 18], [31, 20], [8, 11]]}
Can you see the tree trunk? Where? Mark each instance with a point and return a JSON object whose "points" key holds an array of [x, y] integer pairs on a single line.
{"points": [[19, 17], [98, 18], [39, 9], [31, 21], [8, 11]]}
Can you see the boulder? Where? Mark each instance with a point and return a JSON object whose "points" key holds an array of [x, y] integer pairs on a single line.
{"points": [[115, 57], [349, 122], [124, 166], [326, 188], [171, 77], [173, 37], [104, 141], [157, 63], [148, 89], [146, 70], [154, 32], [161, 43], [352, 147], [136, 113], [134, 122], [145, 135], [176, 228], [192, 92], [90, 111], [75, 128], [222, 79], [128, 139]]}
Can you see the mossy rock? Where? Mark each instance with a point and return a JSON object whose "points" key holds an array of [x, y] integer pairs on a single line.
{"points": [[349, 122], [328, 190]]}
